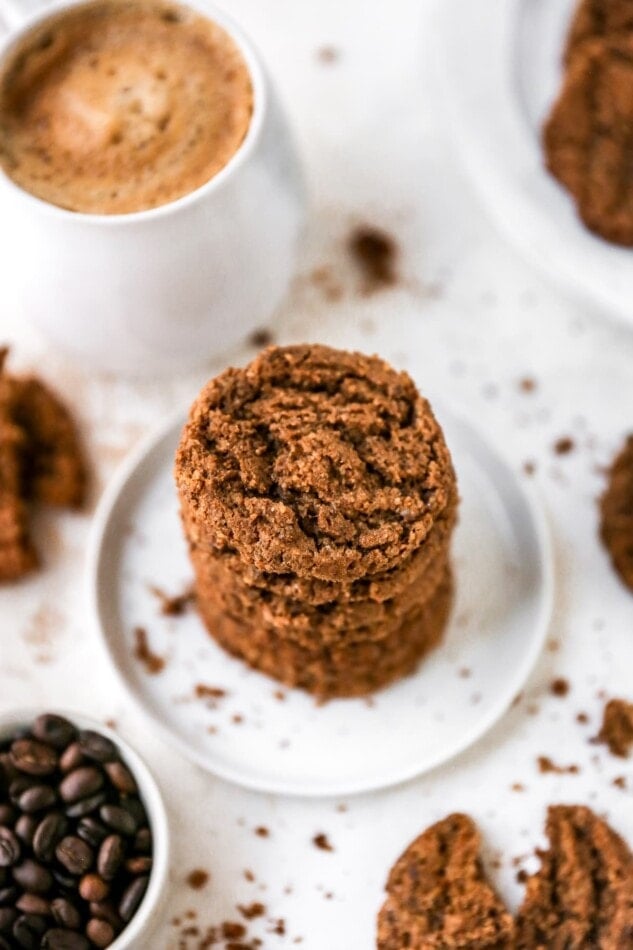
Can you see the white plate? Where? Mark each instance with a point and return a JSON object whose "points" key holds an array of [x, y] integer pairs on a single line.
{"points": [[500, 68], [504, 578]]}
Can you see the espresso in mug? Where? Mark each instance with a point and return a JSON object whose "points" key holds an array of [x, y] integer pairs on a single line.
{"points": [[120, 106]]}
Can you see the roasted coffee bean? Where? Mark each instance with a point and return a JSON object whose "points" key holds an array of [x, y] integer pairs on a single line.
{"points": [[92, 887], [8, 895], [143, 840], [19, 786], [24, 934], [135, 807], [141, 864], [8, 815], [33, 904], [119, 819], [9, 848], [121, 778], [92, 831], [54, 730], [33, 758], [86, 806], [132, 897], [105, 910], [33, 877], [75, 855], [81, 783], [71, 758], [37, 798], [59, 939], [65, 914], [8, 917], [100, 932], [25, 828], [49, 833], [65, 880], [110, 857], [97, 747]]}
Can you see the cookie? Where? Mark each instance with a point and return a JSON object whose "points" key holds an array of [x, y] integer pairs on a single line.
{"points": [[587, 136], [439, 897], [17, 554], [356, 669], [616, 513], [315, 462], [582, 896], [598, 18]]}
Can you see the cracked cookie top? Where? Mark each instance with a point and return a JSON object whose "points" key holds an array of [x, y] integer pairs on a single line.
{"points": [[596, 18], [314, 461]]}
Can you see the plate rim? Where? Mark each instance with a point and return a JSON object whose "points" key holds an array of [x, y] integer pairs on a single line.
{"points": [[334, 788], [498, 183]]}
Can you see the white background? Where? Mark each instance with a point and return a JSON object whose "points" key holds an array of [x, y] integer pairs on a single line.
{"points": [[478, 320]]}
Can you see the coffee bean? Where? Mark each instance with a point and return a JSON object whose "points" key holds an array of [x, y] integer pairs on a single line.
{"points": [[121, 778], [58, 939], [143, 840], [9, 848], [37, 798], [100, 932], [33, 904], [92, 831], [86, 806], [98, 747], [119, 819], [65, 880], [33, 758], [105, 910], [19, 786], [8, 770], [74, 854], [132, 897], [81, 783], [54, 730], [8, 917], [138, 865], [25, 828], [71, 758], [24, 934], [93, 888], [4, 944], [65, 914], [110, 857], [8, 895], [49, 833], [33, 877], [8, 815]]}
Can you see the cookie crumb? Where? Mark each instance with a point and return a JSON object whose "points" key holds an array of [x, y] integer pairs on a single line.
{"points": [[174, 605], [261, 337], [546, 765], [617, 727], [252, 911], [203, 691], [564, 445], [582, 718], [619, 781], [527, 384], [327, 55], [262, 831], [559, 687], [197, 879], [151, 661], [322, 842], [375, 254]]}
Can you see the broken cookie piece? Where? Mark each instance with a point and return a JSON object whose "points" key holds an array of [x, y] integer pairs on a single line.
{"points": [[439, 897], [582, 896], [617, 727], [616, 513]]}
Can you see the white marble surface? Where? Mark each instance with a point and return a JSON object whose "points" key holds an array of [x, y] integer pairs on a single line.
{"points": [[479, 320]]}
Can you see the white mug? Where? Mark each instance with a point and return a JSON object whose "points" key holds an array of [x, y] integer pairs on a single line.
{"points": [[159, 291]]}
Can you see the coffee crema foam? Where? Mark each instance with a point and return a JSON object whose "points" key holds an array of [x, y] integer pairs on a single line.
{"points": [[115, 106]]}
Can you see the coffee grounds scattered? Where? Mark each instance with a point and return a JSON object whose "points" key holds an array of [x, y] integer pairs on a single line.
{"points": [[545, 766], [174, 605], [617, 727], [197, 879], [322, 842], [151, 661], [559, 687], [375, 253]]}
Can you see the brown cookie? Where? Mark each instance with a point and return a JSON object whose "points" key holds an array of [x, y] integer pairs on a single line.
{"points": [[582, 896], [617, 727], [342, 670], [616, 513], [586, 137], [316, 462], [594, 19], [17, 554], [439, 897]]}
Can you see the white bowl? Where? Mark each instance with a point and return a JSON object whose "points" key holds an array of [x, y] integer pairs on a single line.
{"points": [[12, 721]]}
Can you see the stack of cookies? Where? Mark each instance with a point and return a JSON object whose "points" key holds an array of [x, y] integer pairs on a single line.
{"points": [[318, 500]]}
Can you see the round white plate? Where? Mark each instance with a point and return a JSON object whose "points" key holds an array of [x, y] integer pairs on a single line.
{"points": [[500, 69], [274, 739]]}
